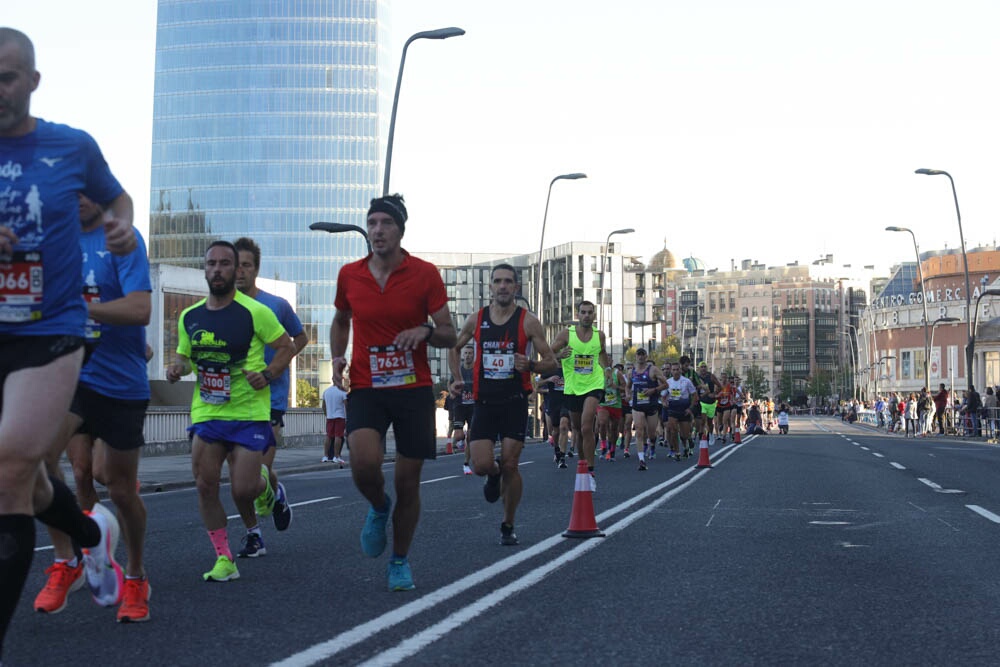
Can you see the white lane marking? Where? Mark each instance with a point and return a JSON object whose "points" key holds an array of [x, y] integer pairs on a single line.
{"points": [[897, 466], [438, 479], [830, 523], [709, 521], [881, 456], [937, 487], [345, 640], [985, 513], [865, 448], [233, 517]]}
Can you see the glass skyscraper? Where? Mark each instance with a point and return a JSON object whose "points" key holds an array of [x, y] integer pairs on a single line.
{"points": [[269, 116]]}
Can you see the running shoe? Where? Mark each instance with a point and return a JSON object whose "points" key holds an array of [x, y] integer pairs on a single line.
{"points": [[652, 452], [642, 465], [626, 453], [711, 439], [135, 602], [339, 461], [676, 457], [562, 464], [253, 546], [63, 580], [507, 536], [104, 574], [282, 514], [570, 453], [264, 503], [373, 539], [224, 570], [327, 459], [466, 470], [400, 577], [491, 489]]}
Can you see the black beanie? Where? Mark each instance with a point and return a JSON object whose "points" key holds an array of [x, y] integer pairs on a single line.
{"points": [[393, 206]]}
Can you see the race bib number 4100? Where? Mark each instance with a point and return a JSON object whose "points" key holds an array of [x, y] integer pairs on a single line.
{"points": [[21, 287], [391, 367], [214, 385]]}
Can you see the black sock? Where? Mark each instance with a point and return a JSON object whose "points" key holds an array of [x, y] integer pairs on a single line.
{"points": [[17, 546], [65, 514]]}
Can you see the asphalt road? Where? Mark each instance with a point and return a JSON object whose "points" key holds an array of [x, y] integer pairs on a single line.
{"points": [[831, 545]]}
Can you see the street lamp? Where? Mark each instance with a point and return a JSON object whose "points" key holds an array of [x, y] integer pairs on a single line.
{"points": [[541, 242], [703, 319], [878, 370], [940, 320], [337, 227], [993, 291], [441, 33], [965, 262], [854, 363], [604, 261], [923, 300]]}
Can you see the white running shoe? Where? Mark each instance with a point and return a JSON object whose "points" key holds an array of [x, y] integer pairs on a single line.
{"points": [[467, 470], [104, 574], [711, 439]]}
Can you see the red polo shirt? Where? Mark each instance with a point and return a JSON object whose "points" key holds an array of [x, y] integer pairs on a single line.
{"points": [[413, 291]]}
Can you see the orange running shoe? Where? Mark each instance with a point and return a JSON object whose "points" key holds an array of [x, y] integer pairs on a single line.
{"points": [[63, 580], [135, 601]]}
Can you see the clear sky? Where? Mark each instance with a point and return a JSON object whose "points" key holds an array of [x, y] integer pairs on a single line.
{"points": [[771, 130]]}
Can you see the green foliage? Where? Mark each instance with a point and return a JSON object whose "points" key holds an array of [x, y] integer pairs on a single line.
{"points": [[756, 382], [820, 385], [307, 396]]}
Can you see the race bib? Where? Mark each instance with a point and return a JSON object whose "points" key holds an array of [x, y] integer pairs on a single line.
{"points": [[583, 364], [214, 385], [675, 393], [391, 367], [21, 287], [467, 397], [92, 329], [498, 365]]}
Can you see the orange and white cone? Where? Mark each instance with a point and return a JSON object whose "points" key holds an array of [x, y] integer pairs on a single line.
{"points": [[703, 461], [736, 437], [582, 522], [448, 448]]}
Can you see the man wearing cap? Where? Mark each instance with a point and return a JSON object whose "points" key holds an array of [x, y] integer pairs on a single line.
{"points": [[581, 349], [387, 297], [707, 385]]}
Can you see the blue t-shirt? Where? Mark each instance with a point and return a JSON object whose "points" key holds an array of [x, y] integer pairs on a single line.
{"points": [[290, 321], [117, 367], [40, 176]]}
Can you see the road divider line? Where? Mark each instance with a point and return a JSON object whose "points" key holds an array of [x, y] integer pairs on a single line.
{"points": [[985, 513], [881, 456], [233, 517], [325, 650], [897, 466]]}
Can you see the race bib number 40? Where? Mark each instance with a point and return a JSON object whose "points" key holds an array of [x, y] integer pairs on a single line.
{"points": [[21, 287], [498, 366], [214, 385], [391, 367]]}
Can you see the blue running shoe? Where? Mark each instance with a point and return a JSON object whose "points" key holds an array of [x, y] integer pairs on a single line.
{"points": [[373, 539], [400, 577]]}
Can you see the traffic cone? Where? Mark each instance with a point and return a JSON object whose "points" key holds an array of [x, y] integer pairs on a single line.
{"points": [[582, 522], [736, 437], [703, 461], [448, 449]]}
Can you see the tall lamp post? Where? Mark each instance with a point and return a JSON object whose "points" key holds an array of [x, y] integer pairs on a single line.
{"points": [[854, 364], [878, 370], [604, 262], [993, 291], [541, 242], [965, 263], [940, 320], [440, 33], [923, 300], [338, 227]]}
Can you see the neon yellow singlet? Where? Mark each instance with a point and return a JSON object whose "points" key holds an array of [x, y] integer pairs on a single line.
{"points": [[582, 369]]}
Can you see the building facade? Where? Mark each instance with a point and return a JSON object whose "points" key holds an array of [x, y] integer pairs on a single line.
{"points": [[267, 117]]}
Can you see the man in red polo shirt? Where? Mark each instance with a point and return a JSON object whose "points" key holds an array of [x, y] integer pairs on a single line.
{"points": [[388, 297]]}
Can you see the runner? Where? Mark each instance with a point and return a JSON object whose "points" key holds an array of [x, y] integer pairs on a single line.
{"points": [[108, 411], [558, 414], [388, 296], [334, 404], [692, 375], [680, 396], [626, 371], [463, 403], [42, 322], [647, 382], [583, 362], [246, 282], [609, 412], [506, 338], [707, 385], [726, 403], [223, 336]]}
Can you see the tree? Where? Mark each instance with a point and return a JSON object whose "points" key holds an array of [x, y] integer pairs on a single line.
{"points": [[756, 382], [820, 385], [308, 395]]}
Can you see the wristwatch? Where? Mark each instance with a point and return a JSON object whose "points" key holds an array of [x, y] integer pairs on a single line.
{"points": [[267, 375]]}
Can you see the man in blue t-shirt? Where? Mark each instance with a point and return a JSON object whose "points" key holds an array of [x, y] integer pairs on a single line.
{"points": [[43, 167], [108, 411], [246, 282]]}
